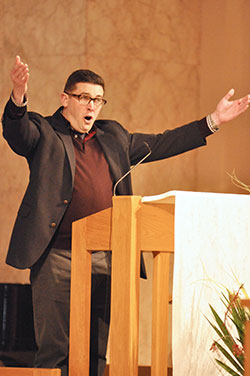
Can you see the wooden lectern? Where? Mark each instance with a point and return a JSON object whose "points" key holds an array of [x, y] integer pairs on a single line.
{"points": [[212, 240], [126, 229]]}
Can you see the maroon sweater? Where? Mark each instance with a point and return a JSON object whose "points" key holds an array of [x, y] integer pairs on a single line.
{"points": [[92, 190]]}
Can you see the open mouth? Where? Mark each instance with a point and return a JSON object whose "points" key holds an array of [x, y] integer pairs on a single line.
{"points": [[88, 118]]}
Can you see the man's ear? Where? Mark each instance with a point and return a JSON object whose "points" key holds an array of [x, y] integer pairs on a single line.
{"points": [[64, 99]]}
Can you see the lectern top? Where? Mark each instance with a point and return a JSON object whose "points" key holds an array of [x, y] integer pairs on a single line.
{"points": [[163, 198], [170, 197]]}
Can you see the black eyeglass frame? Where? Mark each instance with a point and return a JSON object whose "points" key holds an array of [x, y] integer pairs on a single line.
{"points": [[81, 96]]}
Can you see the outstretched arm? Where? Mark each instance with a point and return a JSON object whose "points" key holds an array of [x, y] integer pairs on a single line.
{"points": [[19, 130], [19, 76], [227, 110]]}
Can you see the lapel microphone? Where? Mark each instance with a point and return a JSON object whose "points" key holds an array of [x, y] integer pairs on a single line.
{"points": [[132, 168]]}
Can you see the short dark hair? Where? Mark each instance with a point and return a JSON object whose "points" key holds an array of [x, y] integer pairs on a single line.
{"points": [[83, 75]]}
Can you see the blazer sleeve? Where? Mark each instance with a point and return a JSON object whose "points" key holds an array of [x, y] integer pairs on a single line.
{"points": [[20, 132], [168, 143]]}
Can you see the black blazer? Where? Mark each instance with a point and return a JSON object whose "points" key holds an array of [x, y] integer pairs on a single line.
{"points": [[48, 148]]}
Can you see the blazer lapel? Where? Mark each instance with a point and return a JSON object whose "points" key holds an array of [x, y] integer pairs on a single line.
{"points": [[63, 132], [116, 158], [67, 141]]}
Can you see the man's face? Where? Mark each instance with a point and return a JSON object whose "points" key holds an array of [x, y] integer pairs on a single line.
{"points": [[82, 116]]}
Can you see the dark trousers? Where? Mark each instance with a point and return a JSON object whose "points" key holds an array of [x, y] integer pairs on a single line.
{"points": [[50, 282]]}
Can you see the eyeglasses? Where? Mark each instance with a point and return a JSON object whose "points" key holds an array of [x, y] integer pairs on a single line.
{"points": [[85, 99]]}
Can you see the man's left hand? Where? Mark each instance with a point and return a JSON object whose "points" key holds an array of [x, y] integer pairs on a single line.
{"points": [[227, 110]]}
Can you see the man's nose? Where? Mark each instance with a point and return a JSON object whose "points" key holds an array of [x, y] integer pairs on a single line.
{"points": [[91, 104]]}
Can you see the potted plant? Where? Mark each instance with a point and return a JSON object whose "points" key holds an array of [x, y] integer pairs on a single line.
{"points": [[230, 329]]}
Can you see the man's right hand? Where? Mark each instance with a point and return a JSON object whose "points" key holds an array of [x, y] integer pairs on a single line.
{"points": [[19, 76]]}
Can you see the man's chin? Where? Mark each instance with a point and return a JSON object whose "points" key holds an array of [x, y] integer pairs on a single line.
{"points": [[85, 127]]}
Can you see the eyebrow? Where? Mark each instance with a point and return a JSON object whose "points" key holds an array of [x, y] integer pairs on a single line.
{"points": [[98, 96]]}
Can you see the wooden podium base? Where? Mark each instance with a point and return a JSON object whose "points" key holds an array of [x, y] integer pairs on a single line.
{"points": [[142, 371], [16, 371]]}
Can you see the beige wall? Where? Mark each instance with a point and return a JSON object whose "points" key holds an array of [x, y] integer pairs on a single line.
{"points": [[165, 62], [225, 62]]}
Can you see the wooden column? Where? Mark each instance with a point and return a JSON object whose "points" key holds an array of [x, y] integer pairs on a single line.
{"points": [[125, 286], [80, 302], [247, 349], [160, 312], [246, 303]]}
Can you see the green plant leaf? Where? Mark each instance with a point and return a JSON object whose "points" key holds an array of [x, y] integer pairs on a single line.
{"points": [[225, 335], [227, 368], [231, 331], [232, 360]]}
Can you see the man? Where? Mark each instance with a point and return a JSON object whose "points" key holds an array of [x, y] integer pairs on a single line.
{"points": [[74, 162]]}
